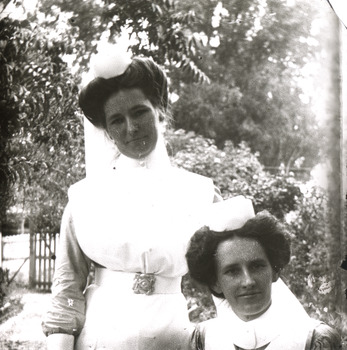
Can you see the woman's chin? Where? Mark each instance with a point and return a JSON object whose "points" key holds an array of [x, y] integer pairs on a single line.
{"points": [[139, 154]]}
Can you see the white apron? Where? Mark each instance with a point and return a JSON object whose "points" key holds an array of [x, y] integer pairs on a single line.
{"points": [[137, 220]]}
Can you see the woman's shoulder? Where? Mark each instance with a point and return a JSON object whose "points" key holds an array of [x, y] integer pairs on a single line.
{"points": [[199, 335], [213, 325], [90, 182], [192, 178], [77, 186], [194, 185], [324, 337], [85, 188], [211, 333], [184, 172]]}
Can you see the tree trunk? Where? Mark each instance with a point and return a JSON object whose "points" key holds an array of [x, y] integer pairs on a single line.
{"points": [[334, 164], [343, 56]]}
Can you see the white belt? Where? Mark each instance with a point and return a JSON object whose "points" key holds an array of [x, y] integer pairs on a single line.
{"points": [[136, 282]]}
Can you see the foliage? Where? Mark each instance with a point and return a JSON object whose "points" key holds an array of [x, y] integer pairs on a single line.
{"points": [[309, 275], [42, 146], [255, 54], [156, 28], [301, 207], [39, 91], [236, 170], [254, 96], [41, 150], [8, 121], [3, 285], [199, 300]]}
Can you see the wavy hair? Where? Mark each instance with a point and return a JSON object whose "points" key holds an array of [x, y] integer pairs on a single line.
{"points": [[142, 73], [264, 228]]}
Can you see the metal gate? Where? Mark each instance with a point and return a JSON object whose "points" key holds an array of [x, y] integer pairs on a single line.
{"points": [[42, 260]]}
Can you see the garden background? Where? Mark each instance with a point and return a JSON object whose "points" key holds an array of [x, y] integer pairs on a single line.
{"points": [[256, 94]]}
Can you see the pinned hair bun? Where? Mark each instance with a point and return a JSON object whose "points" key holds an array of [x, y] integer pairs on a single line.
{"points": [[111, 63], [115, 71]]}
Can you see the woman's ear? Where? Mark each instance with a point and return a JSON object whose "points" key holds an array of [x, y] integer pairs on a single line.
{"points": [[275, 275], [161, 116], [216, 288]]}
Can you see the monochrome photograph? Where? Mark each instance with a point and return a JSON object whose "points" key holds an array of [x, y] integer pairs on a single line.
{"points": [[173, 174]]}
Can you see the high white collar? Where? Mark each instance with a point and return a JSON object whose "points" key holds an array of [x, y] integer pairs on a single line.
{"points": [[285, 315], [157, 159], [102, 156]]}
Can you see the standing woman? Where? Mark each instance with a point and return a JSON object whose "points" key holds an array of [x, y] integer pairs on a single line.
{"points": [[133, 222]]}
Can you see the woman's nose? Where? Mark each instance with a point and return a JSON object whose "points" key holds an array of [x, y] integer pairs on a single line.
{"points": [[132, 127], [247, 278]]}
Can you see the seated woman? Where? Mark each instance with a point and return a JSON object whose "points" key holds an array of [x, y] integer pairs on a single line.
{"points": [[240, 266]]}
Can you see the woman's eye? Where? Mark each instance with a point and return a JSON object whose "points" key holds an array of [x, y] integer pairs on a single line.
{"points": [[117, 121], [140, 113], [258, 266], [232, 271]]}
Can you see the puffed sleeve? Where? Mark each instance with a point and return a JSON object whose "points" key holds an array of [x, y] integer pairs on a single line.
{"points": [[66, 313], [324, 338], [197, 339]]}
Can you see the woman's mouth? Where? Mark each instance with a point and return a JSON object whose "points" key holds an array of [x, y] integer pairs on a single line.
{"points": [[248, 295], [139, 139]]}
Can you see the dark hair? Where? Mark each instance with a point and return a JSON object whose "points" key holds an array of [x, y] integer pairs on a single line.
{"points": [[264, 228], [142, 73]]}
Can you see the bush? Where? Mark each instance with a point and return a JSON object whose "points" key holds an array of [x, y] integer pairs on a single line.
{"points": [[3, 285], [235, 171], [309, 275]]}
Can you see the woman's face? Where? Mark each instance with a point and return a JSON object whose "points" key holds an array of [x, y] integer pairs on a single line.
{"points": [[131, 122], [244, 276]]}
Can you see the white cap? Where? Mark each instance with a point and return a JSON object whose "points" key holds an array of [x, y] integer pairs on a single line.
{"points": [[229, 214], [111, 61]]}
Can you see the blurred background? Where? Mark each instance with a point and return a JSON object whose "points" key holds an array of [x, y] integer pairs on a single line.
{"points": [[258, 100]]}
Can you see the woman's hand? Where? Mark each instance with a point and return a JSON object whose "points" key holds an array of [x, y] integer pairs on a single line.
{"points": [[59, 341]]}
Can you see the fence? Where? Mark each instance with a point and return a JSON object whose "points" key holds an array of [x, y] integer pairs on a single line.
{"points": [[14, 256], [30, 258]]}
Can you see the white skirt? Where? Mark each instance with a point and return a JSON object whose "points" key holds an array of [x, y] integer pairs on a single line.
{"points": [[117, 318]]}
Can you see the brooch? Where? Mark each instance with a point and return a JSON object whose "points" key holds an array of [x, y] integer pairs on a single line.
{"points": [[144, 283]]}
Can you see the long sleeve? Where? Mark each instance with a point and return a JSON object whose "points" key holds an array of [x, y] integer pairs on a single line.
{"points": [[197, 339], [67, 310], [324, 338]]}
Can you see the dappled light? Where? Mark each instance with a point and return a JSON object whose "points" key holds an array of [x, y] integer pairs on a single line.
{"points": [[255, 104]]}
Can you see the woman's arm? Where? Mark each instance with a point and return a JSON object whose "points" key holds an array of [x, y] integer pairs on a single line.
{"points": [[325, 338], [66, 314], [197, 339]]}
